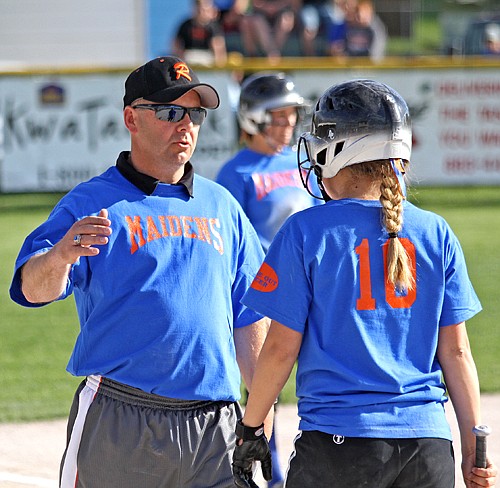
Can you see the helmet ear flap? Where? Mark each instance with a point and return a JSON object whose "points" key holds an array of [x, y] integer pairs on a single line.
{"points": [[266, 119], [321, 158]]}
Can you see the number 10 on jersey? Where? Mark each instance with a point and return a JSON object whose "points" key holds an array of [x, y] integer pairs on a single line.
{"points": [[395, 300]]}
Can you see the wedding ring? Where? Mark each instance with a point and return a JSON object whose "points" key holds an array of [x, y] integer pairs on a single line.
{"points": [[77, 240]]}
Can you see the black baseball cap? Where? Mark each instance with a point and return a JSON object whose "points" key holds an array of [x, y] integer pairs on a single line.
{"points": [[165, 79]]}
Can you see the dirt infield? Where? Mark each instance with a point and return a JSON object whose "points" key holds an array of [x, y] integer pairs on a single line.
{"points": [[30, 453]]}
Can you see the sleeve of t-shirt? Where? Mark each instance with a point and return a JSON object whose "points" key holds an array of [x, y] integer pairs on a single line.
{"points": [[233, 182], [41, 240], [250, 257], [183, 31], [282, 288], [460, 300]]}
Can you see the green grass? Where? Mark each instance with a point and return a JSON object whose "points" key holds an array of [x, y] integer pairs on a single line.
{"points": [[36, 343], [474, 215], [426, 39]]}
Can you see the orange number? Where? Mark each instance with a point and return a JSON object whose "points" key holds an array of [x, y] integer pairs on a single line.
{"points": [[366, 300], [400, 301]]}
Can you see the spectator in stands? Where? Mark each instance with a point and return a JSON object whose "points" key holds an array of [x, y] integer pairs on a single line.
{"points": [[492, 39], [230, 13], [267, 26], [317, 18], [200, 39], [365, 33], [336, 34]]}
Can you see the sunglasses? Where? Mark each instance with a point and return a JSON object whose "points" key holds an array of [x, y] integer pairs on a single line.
{"points": [[175, 113]]}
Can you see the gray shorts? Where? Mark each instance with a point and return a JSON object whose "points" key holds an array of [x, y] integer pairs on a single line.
{"points": [[121, 436]]}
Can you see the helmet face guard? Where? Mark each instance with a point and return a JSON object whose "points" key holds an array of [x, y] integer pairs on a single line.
{"points": [[355, 122], [307, 167], [262, 93]]}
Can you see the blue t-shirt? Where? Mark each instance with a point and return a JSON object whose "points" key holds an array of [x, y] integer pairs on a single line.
{"points": [[159, 304], [268, 187], [367, 366]]}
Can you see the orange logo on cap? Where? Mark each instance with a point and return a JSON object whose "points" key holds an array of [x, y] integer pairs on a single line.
{"points": [[266, 279], [181, 69]]}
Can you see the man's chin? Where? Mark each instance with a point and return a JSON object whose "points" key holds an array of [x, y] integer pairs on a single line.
{"points": [[183, 157]]}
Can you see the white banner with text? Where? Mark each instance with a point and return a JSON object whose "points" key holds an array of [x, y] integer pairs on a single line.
{"points": [[57, 130]]}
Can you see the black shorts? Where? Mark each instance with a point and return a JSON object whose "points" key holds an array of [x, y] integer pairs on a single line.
{"points": [[321, 459], [119, 436]]}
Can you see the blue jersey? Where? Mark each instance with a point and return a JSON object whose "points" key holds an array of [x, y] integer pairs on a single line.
{"points": [[367, 366], [268, 187], [158, 305]]}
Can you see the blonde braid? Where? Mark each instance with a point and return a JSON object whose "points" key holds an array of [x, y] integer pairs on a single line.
{"points": [[399, 271]]}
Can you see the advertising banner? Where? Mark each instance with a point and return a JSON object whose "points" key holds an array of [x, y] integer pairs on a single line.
{"points": [[455, 117], [58, 130]]}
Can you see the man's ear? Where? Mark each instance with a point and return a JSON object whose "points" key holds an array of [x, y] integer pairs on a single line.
{"points": [[129, 118]]}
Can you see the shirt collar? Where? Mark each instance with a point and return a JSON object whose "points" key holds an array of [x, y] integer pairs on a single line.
{"points": [[147, 183]]}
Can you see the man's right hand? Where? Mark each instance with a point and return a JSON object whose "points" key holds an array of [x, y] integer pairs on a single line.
{"points": [[44, 277], [83, 236]]}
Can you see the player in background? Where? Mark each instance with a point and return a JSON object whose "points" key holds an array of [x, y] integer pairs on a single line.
{"points": [[371, 294], [263, 175], [158, 259]]}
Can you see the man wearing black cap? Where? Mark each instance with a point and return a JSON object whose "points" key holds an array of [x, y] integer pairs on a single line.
{"points": [[158, 259]]}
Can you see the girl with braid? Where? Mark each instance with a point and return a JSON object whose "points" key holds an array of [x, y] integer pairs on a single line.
{"points": [[399, 271], [370, 295]]}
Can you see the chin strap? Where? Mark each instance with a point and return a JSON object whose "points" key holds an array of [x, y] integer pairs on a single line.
{"points": [[326, 197]]}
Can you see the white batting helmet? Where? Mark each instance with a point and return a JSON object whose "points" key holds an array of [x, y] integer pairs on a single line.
{"points": [[355, 122]]}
